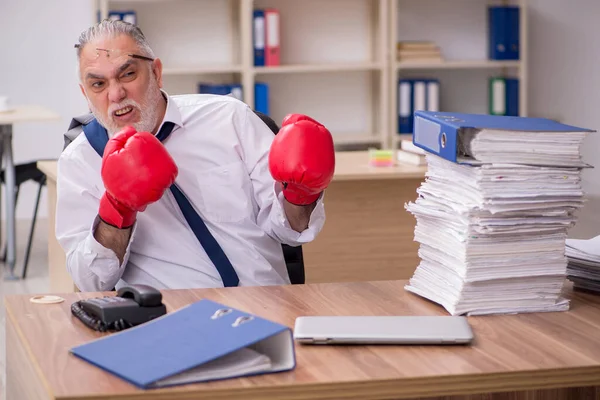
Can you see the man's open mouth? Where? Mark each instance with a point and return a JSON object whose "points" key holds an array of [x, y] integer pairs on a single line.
{"points": [[123, 111]]}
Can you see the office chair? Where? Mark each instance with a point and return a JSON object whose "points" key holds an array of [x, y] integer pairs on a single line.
{"points": [[294, 259], [24, 173]]}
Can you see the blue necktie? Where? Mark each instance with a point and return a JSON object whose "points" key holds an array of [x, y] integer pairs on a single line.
{"points": [[98, 137]]}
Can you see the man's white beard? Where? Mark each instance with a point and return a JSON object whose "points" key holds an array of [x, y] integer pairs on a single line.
{"points": [[148, 111]]}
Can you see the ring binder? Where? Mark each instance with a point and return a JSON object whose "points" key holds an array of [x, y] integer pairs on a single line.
{"points": [[201, 342]]}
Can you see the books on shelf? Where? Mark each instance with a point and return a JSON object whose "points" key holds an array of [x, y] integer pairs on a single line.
{"points": [[266, 37], [418, 51], [492, 232], [416, 94], [583, 267]]}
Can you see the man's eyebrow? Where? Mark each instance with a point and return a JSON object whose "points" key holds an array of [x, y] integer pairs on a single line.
{"points": [[89, 75], [125, 66]]}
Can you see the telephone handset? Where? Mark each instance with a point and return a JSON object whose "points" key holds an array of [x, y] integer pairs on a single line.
{"points": [[133, 305]]}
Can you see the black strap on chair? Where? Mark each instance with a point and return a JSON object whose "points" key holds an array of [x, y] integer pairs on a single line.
{"points": [[294, 259]]}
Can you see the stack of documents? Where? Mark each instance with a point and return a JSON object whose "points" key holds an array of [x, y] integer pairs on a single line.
{"points": [[492, 232], [584, 263]]}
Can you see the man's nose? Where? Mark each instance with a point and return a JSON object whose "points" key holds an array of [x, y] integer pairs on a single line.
{"points": [[116, 93]]}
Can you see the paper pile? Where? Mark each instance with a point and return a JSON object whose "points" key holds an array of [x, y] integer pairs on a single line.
{"points": [[492, 236], [584, 263]]}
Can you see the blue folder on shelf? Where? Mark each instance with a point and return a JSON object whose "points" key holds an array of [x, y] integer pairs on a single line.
{"points": [[201, 342], [438, 132]]}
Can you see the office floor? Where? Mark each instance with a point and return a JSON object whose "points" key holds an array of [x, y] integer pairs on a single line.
{"points": [[36, 282]]}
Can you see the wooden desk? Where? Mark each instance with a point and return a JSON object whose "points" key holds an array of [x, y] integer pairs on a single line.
{"points": [[60, 280], [526, 356], [368, 235]]}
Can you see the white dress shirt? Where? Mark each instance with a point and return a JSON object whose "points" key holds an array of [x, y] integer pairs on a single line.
{"points": [[221, 149]]}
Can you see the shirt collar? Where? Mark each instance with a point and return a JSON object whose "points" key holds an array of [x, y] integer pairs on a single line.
{"points": [[172, 113]]}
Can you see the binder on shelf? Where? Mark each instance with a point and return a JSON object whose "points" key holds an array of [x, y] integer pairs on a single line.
{"points": [[513, 32], [504, 96], [503, 32], [120, 15], [272, 37], [261, 97], [440, 133], [234, 89], [258, 37], [497, 96], [512, 96], [405, 106], [414, 95], [419, 95], [433, 95], [201, 342]]}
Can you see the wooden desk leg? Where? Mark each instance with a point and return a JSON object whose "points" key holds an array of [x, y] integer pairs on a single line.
{"points": [[60, 280], [22, 379], [368, 234]]}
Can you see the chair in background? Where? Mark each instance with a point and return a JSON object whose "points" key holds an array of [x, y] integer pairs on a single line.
{"points": [[294, 259], [26, 172]]}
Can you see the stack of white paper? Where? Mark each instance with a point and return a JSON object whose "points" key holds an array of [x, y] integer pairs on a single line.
{"points": [[538, 148], [584, 263], [492, 236]]}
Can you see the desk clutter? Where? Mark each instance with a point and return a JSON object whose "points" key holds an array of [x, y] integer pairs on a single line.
{"points": [[583, 268], [493, 212], [201, 342]]}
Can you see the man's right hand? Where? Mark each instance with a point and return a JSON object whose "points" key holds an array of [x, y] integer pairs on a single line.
{"points": [[136, 171]]}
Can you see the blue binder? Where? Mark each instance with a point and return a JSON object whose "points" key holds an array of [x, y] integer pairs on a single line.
{"points": [[405, 105], [513, 32], [261, 97], [503, 32], [438, 132], [258, 37], [202, 342], [512, 96]]}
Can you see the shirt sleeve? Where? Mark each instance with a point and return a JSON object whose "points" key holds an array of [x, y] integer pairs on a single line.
{"points": [[256, 139], [92, 266]]}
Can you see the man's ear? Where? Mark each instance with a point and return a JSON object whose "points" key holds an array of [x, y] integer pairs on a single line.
{"points": [[157, 70], [82, 91]]}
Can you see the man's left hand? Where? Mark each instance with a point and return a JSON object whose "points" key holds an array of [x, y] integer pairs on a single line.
{"points": [[302, 159]]}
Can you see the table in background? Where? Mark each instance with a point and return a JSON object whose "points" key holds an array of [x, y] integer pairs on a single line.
{"points": [[527, 356], [7, 120], [368, 235]]}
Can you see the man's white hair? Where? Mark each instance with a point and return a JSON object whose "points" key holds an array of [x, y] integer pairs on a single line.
{"points": [[113, 28]]}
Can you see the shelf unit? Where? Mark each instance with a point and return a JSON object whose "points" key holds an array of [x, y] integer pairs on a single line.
{"points": [[355, 57], [338, 65], [477, 68]]}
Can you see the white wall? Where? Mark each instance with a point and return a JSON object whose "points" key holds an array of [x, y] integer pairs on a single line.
{"points": [[37, 66], [564, 79]]}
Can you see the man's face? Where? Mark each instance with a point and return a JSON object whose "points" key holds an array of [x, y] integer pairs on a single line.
{"points": [[121, 90]]}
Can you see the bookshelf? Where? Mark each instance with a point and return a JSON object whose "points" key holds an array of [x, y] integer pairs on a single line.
{"points": [[334, 71], [459, 28], [339, 64]]}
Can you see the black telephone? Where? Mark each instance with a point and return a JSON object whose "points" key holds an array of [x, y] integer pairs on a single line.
{"points": [[133, 305]]}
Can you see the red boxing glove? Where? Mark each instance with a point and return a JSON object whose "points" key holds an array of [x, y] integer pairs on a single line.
{"points": [[136, 171], [302, 158]]}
